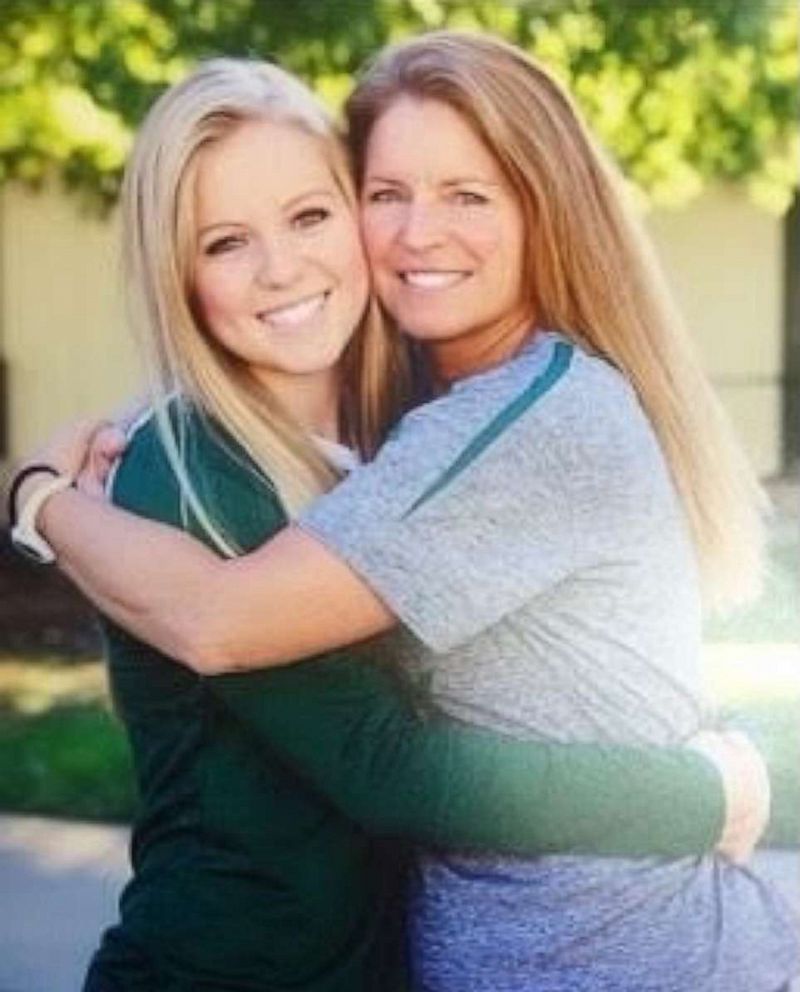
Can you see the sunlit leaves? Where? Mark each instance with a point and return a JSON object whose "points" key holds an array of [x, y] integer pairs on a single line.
{"points": [[682, 92]]}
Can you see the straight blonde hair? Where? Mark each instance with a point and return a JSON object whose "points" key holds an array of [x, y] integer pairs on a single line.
{"points": [[181, 358], [590, 270]]}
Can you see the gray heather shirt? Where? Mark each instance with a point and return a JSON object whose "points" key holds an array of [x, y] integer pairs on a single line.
{"points": [[525, 529]]}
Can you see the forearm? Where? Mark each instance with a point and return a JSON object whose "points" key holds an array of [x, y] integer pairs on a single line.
{"points": [[151, 579], [458, 788], [342, 725], [288, 600]]}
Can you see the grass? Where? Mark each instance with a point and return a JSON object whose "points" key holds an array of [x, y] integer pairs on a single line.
{"points": [[70, 761], [62, 752]]}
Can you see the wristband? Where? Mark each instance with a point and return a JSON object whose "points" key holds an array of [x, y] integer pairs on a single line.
{"points": [[24, 473], [24, 536]]}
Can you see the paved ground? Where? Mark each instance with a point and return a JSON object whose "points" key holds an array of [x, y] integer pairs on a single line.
{"points": [[58, 888]]}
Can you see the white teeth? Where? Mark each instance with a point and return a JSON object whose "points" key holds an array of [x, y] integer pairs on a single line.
{"points": [[295, 313], [432, 280]]}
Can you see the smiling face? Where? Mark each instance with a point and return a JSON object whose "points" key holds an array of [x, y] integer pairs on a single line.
{"points": [[444, 236], [279, 277]]}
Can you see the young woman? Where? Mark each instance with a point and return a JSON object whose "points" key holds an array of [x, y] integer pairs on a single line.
{"points": [[250, 867], [539, 527]]}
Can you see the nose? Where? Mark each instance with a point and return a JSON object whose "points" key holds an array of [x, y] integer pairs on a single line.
{"points": [[421, 226], [278, 263]]}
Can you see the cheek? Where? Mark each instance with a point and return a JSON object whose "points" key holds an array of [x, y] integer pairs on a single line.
{"points": [[485, 237], [218, 306], [349, 259], [377, 232], [213, 295]]}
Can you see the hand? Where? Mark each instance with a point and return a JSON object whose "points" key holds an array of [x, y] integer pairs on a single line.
{"points": [[84, 451], [106, 446], [747, 790], [68, 448]]}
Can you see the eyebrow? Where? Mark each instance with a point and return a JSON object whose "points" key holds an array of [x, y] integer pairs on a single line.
{"points": [[329, 193], [459, 180], [216, 224], [455, 181]]}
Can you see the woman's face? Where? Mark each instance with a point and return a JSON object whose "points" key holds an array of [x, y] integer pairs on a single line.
{"points": [[279, 276], [444, 234]]}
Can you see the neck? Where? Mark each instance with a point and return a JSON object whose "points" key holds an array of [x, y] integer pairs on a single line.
{"points": [[312, 400], [459, 357]]}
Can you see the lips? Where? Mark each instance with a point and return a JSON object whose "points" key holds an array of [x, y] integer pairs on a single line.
{"points": [[431, 280], [294, 314]]}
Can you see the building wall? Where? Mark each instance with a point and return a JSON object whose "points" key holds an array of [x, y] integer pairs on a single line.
{"points": [[725, 260], [63, 334], [62, 330]]}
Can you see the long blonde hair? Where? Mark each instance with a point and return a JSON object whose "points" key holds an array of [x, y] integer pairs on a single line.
{"points": [[158, 244], [590, 270]]}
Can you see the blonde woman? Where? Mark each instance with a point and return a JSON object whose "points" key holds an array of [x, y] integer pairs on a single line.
{"points": [[543, 527], [251, 867]]}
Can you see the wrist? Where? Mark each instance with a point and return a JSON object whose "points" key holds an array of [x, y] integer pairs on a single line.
{"points": [[28, 488], [31, 489]]}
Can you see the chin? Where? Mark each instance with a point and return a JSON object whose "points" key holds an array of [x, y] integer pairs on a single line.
{"points": [[421, 330]]}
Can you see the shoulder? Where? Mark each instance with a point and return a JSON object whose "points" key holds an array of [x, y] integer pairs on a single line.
{"points": [[552, 378], [552, 397], [557, 412], [143, 470], [598, 408], [487, 403], [223, 476]]}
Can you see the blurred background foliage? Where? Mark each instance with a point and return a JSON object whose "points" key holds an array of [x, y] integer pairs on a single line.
{"points": [[681, 91]]}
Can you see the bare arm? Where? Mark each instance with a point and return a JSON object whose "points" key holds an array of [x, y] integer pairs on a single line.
{"points": [[289, 599]]}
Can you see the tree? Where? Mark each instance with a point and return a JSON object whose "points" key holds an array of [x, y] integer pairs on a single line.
{"points": [[681, 91]]}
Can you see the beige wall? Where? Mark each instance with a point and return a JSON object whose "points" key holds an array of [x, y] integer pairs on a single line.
{"points": [[64, 337], [61, 326], [724, 259]]}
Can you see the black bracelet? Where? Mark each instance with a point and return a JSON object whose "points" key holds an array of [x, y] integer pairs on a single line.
{"points": [[17, 481]]}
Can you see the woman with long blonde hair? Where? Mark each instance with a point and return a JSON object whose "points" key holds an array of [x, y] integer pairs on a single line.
{"points": [[543, 527]]}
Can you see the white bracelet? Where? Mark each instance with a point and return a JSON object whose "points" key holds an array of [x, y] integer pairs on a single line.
{"points": [[24, 535]]}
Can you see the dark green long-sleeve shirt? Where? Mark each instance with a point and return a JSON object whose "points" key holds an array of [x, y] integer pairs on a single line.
{"points": [[267, 853]]}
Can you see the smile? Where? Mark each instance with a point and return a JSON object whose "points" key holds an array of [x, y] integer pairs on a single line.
{"points": [[430, 281], [294, 314]]}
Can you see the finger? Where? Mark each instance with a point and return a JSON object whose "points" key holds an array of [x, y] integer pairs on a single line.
{"points": [[745, 785], [99, 467], [109, 442], [749, 797]]}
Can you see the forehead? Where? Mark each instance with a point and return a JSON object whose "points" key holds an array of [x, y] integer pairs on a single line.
{"points": [[260, 162], [426, 138]]}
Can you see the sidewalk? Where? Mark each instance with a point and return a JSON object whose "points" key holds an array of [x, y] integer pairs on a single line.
{"points": [[59, 883], [58, 888]]}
